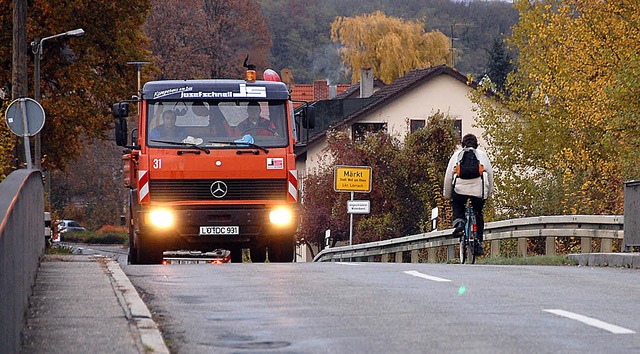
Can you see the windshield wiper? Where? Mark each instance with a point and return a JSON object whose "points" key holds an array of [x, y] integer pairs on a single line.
{"points": [[241, 144], [180, 143]]}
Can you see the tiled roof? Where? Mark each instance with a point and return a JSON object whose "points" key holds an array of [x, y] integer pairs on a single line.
{"points": [[302, 92], [310, 92]]}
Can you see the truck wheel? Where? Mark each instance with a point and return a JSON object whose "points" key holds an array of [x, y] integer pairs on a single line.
{"points": [[258, 254], [236, 254], [281, 251], [133, 252], [147, 252]]}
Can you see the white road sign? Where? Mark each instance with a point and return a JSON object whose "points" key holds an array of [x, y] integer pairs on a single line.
{"points": [[358, 206]]}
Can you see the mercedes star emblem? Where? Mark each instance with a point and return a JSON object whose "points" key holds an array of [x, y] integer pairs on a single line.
{"points": [[218, 189]]}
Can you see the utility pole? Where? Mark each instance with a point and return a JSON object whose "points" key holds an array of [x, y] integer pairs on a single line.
{"points": [[19, 86]]}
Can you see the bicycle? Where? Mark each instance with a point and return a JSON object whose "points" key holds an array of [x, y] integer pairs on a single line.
{"points": [[469, 238]]}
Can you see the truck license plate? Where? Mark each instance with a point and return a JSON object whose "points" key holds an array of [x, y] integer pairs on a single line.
{"points": [[219, 230]]}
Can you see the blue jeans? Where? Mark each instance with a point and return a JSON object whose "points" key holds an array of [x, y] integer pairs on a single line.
{"points": [[458, 203]]}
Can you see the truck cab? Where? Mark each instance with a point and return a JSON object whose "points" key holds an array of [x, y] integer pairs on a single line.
{"points": [[211, 166]]}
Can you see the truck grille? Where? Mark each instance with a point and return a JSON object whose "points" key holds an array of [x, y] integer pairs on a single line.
{"points": [[253, 189]]}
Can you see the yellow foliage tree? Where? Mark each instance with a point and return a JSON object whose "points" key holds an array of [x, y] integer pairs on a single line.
{"points": [[576, 95], [389, 45]]}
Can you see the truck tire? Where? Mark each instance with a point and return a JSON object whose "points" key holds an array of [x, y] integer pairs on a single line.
{"points": [[281, 251], [236, 254], [258, 254], [132, 226], [133, 253], [147, 252]]}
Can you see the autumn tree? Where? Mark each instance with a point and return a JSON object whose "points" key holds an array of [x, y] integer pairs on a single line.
{"points": [[7, 139], [407, 183], [566, 138], [207, 38], [389, 45], [91, 190], [81, 77]]}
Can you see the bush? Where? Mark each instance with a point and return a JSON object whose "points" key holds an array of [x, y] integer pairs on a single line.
{"points": [[91, 237], [106, 229]]}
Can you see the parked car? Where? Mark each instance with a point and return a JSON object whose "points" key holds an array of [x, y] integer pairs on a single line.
{"points": [[69, 226]]}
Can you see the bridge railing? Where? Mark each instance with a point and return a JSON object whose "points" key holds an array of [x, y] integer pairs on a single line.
{"points": [[21, 246], [606, 228]]}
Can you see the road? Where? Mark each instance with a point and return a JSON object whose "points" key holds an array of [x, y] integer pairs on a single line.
{"points": [[392, 308]]}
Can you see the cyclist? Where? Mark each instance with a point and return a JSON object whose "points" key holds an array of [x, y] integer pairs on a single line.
{"points": [[477, 189]]}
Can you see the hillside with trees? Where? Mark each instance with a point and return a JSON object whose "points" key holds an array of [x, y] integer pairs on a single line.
{"points": [[300, 31]]}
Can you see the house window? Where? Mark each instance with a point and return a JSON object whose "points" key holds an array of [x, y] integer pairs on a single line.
{"points": [[361, 129], [416, 124], [457, 125]]}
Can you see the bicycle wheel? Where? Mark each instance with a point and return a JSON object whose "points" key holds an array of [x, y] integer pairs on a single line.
{"points": [[463, 251], [471, 253]]}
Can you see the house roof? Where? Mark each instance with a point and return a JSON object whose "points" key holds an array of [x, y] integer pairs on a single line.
{"points": [[319, 90], [385, 95], [302, 92], [353, 91]]}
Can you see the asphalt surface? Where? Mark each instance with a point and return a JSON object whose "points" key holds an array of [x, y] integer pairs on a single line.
{"points": [[86, 304]]}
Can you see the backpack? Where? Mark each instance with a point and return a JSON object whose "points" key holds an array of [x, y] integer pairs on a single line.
{"points": [[468, 165]]}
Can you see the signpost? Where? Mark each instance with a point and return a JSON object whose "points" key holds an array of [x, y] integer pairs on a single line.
{"points": [[25, 117], [353, 179]]}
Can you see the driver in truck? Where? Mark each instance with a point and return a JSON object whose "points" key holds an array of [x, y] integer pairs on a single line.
{"points": [[256, 124]]}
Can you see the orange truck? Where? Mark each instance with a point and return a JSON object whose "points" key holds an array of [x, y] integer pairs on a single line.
{"points": [[211, 165]]}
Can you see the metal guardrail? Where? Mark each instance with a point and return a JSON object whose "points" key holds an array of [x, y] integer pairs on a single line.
{"points": [[587, 227]]}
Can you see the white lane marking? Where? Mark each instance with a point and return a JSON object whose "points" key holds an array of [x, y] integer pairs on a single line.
{"points": [[591, 321], [347, 263], [425, 276]]}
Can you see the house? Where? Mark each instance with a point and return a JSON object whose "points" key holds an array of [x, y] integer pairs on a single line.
{"points": [[399, 108]]}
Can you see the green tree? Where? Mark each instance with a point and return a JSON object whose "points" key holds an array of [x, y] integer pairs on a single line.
{"points": [[407, 182], [499, 64], [574, 138], [391, 46]]}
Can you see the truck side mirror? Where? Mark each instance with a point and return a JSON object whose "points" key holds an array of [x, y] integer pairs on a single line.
{"points": [[309, 117], [120, 109], [121, 131]]}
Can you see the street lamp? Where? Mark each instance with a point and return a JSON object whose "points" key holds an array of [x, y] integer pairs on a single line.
{"points": [[36, 49]]}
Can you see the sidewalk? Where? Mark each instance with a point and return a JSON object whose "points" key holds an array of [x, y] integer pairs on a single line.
{"points": [[86, 304]]}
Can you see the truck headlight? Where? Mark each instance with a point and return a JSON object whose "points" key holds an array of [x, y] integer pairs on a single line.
{"points": [[161, 218], [281, 216]]}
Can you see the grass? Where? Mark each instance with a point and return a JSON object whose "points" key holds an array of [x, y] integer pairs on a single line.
{"points": [[57, 249]]}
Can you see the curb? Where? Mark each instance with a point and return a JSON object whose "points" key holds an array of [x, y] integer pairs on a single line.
{"points": [[624, 260], [137, 311]]}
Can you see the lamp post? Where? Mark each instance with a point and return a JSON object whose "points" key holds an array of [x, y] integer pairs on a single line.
{"points": [[36, 49]]}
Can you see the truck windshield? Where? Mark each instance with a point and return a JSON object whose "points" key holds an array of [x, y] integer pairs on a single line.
{"points": [[217, 123]]}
